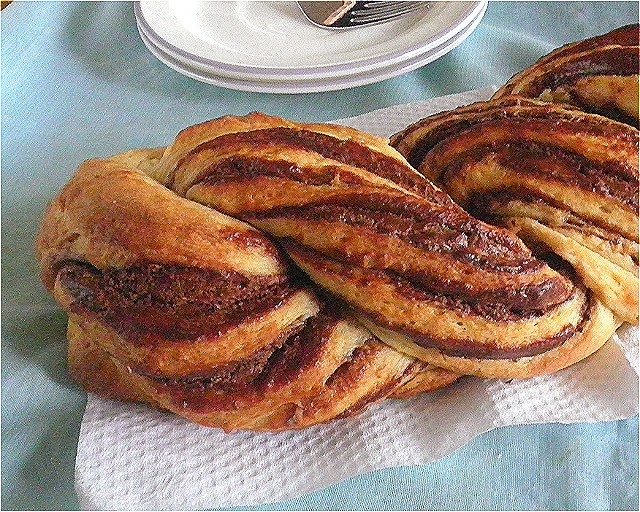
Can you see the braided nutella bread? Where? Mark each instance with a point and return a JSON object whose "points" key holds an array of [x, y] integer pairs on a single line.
{"points": [[564, 180], [175, 304], [599, 75], [420, 272], [177, 297]]}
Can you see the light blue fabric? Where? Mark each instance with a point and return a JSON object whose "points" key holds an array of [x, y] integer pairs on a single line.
{"points": [[77, 83]]}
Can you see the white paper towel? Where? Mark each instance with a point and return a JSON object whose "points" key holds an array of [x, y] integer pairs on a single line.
{"points": [[136, 457]]}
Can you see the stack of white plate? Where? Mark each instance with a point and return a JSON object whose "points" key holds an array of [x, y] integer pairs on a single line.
{"points": [[271, 47]]}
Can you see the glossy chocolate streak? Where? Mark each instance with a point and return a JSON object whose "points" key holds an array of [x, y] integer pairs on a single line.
{"points": [[227, 377], [504, 304], [616, 180], [610, 110], [490, 207], [347, 151], [507, 304], [501, 112], [463, 121], [177, 303], [617, 61], [301, 350], [464, 348], [444, 230], [235, 169], [255, 370]]}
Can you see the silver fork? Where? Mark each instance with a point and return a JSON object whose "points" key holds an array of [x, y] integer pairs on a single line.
{"points": [[349, 14]]}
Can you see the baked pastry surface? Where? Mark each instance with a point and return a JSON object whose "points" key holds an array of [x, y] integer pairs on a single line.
{"points": [[178, 305], [423, 274], [599, 75], [564, 180], [261, 274]]}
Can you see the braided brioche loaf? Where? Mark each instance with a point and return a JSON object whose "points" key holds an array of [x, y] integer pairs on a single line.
{"points": [[564, 180], [176, 296], [178, 305]]}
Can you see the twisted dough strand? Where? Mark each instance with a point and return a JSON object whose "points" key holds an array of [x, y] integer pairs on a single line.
{"points": [[564, 180], [178, 305], [599, 75], [423, 274]]}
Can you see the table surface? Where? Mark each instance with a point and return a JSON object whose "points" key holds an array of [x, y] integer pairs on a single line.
{"points": [[77, 83]]}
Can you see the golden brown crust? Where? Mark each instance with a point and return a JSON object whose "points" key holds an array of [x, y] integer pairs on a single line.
{"points": [[565, 181], [400, 253], [113, 216], [177, 305], [599, 75], [344, 371], [596, 323]]}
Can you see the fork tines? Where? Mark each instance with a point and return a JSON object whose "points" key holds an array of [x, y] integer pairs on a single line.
{"points": [[348, 14], [375, 12]]}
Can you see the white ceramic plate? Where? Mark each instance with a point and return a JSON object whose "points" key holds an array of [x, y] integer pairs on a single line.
{"points": [[303, 85], [273, 41], [406, 64]]}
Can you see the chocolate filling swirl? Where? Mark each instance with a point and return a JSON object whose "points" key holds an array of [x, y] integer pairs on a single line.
{"points": [[177, 303]]}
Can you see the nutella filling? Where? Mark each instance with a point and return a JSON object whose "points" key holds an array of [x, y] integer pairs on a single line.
{"points": [[433, 228], [618, 61], [471, 349], [610, 110], [246, 169], [300, 351], [347, 151], [496, 113], [254, 370], [494, 207], [177, 303], [507, 304], [616, 180]]}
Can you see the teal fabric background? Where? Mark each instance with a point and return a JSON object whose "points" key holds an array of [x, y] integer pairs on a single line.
{"points": [[77, 83]]}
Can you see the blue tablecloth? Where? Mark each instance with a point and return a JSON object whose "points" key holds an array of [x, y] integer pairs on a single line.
{"points": [[77, 82]]}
